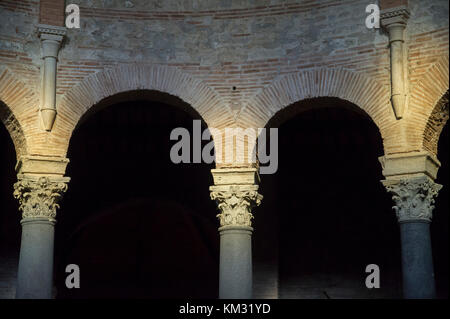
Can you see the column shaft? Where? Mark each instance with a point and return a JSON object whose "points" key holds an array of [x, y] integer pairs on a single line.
{"points": [[417, 260], [38, 198], [35, 275], [414, 203], [236, 194], [235, 262]]}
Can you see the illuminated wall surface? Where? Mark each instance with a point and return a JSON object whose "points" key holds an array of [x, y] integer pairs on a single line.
{"points": [[359, 98]]}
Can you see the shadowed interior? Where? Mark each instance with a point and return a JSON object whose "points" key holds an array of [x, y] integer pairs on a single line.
{"points": [[138, 225]]}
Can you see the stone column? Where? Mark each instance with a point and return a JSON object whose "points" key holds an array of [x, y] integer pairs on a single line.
{"points": [[410, 180], [235, 193], [394, 21], [51, 39], [414, 199], [38, 198]]}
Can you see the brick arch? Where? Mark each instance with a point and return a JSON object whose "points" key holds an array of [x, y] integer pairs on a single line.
{"points": [[18, 103], [99, 86], [364, 92], [436, 122], [427, 99]]}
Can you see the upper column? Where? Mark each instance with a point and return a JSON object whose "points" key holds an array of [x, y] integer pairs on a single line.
{"points": [[51, 39], [394, 21]]}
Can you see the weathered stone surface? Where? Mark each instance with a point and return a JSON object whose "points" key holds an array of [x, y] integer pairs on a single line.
{"points": [[408, 165], [41, 165], [413, 198], [235, 191], [235, 203], [268, 50], [39, 196]]}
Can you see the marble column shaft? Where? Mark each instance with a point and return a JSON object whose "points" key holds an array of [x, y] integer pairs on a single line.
{"points": [[235, 203], [38, 198], [414, 203]]}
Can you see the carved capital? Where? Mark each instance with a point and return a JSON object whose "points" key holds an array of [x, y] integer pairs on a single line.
{"points": [[413, 197], [235, 203], [51, 39], [39, 195], [51, 29], [394, 16]]}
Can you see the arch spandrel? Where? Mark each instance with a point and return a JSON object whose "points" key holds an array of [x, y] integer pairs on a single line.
{"points": [[367, 94], [17, 102], [126, 78], [427, 106]]}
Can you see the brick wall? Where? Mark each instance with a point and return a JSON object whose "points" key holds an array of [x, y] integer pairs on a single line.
{"points": [[238, 51], [51, 12], [388, 4], [237, 63]]}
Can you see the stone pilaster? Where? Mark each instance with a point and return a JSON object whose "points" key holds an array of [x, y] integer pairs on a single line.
{"points": [[51, 38], [394, 21]]}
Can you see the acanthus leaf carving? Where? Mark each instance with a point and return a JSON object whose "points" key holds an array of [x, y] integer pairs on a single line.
{"points": [[39, 197], [235, 203], [414, 198]]}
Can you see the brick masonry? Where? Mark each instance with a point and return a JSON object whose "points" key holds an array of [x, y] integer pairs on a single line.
{"points": [[51, 12], [273, 52]]}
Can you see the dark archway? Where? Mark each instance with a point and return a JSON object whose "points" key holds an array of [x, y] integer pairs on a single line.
{"points": [[9, 216], [439, 225], [138, 225], [326, 215]]}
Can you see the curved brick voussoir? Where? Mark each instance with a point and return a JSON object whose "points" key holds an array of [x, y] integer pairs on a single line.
{"points": [[95, 88], [18, 108], [428, 107], [367, 94]]}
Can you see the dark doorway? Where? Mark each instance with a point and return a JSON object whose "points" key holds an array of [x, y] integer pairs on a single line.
{"points": [[9, 214], [439, 224], [333, 216], [137, 225]]}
